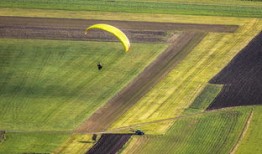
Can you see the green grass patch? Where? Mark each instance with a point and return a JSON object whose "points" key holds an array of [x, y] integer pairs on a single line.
{"points": [[208, 2], [252, 140], [205, 98], [137, 7], [30, 143], [55, 85], [213, 132]]}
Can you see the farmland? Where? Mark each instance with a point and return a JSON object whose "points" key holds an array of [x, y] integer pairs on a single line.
{"points": [[36, 93], [37, 142], [212, 132], [139, 7], [43, 81], [188, 81], [182, 85], [251, 141]]}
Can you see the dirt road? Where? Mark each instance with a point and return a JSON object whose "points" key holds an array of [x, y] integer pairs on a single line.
{"points": [[73, 29]]}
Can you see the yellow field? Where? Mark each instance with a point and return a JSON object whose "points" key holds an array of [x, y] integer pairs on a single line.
{"points": [[175, 93]]}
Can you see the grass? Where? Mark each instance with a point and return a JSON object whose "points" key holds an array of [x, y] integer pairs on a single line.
{"points": [[212, 132], [123, 16], [205, 98], [177, 91], [251, 143], [138, 7], [54, 85], [212, 2], [31, 142], [44, 86], [76, 144]]}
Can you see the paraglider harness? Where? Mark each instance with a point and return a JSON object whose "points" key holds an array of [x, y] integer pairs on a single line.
{"points": [[99, 66]]}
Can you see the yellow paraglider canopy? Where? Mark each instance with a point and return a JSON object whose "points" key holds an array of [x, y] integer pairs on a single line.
{"points": [[115, 31]]}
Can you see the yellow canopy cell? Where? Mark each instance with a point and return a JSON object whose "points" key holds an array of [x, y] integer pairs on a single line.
{"points": [[113, 30]]}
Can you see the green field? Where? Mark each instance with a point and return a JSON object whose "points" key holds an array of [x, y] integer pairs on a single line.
{"points": [[205, 98], [39, 77], [138, 7], [251, 141], [37, 142], [214, 132]]}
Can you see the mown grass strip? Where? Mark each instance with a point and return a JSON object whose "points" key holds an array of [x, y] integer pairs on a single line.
{"points": [[137, 7], [123, 16], [212, 2]]}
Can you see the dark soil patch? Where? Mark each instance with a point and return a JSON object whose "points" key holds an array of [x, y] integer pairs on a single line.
{"points": [[242, 78], [127, 97], [73, 29], [109, 143]]}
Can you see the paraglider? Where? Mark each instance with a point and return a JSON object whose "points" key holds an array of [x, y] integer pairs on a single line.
{"points": [[99, 66], [113, 30]]}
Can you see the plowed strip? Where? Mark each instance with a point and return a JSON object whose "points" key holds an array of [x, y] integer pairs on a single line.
{"points": [[138, 25], [73, 29], [241, 78], [103, 117], [109, 143]]}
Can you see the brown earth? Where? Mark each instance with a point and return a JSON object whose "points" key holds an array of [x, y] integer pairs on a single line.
{"points": [[119, 104], [73, 29], [109, 143], [242, 78]]}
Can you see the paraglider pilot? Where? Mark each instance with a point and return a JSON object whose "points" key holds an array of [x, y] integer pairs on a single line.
{"points": [[99, 66]]}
